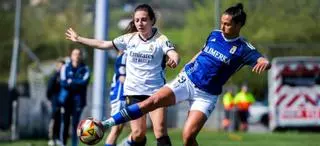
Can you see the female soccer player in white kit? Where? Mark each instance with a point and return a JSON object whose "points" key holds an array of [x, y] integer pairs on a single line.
{"points": [[146, 49], [201, 81]]}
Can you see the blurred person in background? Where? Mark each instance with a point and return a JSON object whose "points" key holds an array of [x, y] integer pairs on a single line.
{"points": [[74, 78], [146, 50], [228, 105], [52, 93], [243, 100], [117, 99], [201, 81]]}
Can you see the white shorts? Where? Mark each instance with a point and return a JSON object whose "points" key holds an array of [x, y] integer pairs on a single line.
{"points": [[199, 100], [116, 106]]}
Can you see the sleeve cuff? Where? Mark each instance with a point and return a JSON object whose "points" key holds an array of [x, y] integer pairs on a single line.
{"points": [[169, 50], [114, 45]]}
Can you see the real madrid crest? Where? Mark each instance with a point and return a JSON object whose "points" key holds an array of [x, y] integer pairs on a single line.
{"points": [[151, 48]]}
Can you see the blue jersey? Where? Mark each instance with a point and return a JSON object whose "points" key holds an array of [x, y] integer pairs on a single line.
{"points": [[116, 91], [218, 60]]}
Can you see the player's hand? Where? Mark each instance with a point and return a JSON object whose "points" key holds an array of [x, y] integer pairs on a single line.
{"points": [[171, 63], [72, 35], [262, 65]]}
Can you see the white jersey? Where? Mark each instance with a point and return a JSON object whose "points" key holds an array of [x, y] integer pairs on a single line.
{"points": [[145, 62]]}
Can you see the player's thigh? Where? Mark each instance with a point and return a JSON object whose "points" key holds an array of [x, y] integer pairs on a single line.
{"points": [[158, 118], [194, 123], [162, 98]]}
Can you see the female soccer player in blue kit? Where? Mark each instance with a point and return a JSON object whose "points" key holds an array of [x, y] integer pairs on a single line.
{"points": [[117, 99], [201, 81]]}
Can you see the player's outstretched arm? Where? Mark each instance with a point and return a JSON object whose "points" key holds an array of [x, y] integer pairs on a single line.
{"points": [[262, 65], [99, 44]]}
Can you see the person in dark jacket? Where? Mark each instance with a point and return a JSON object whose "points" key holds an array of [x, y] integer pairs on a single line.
{"points": [[74, 81], [53, 90]]}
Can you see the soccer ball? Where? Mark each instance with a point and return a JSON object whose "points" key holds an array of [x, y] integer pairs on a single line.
{"points": [[90, 131]]}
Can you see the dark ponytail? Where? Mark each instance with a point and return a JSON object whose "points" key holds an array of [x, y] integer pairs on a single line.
{"points": [[145, 7], [237, 13], [131, 27]]}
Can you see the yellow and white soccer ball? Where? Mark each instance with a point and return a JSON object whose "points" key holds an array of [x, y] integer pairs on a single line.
{"points": [[90, 131]]}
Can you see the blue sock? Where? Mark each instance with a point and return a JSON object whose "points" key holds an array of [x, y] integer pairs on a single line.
{"points": [[109, 145], [129, 113]]}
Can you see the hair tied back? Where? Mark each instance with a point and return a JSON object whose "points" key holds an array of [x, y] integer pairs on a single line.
{"points": [[239, 6]]}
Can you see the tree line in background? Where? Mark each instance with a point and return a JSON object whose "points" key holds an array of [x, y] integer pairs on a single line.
{"points": [[187, 23]]}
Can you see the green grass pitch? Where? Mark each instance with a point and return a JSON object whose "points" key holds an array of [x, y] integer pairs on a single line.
{"points": [[213, 138]]}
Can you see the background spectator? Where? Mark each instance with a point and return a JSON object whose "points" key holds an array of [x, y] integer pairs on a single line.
{"points": [[74, 81]]}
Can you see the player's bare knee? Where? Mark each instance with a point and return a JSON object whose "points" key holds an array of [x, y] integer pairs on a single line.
{"points": [[156, 99], [138, 134], [160, 128]]}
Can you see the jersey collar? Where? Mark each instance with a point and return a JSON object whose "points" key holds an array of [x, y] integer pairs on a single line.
{"points": [[154, 32], [229, 40]]}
